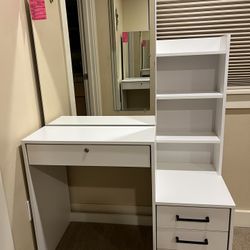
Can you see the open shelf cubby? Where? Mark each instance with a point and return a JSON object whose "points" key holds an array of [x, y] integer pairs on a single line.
{"points": [[187, 156], [200, 76], [189, 117]]}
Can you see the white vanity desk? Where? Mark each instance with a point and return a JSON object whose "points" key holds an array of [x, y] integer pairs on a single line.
{"points": [[50, 149], [191, 210]]}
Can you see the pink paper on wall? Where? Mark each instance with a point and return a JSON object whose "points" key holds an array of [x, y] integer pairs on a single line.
{"points": [[37, 9], [124, 37]]}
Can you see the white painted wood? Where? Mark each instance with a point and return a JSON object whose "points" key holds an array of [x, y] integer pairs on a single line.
{"points": [[67, 52], [218, 218], [187, 74], [192, 188], [52, 197], [191, 46], [124, 219], [166, 239], [47, 184], [92, 135], [242, 218], [49, 199], [174, 156], [182, 96], [6, 239], [181, 116], [104, 121], [96, 155], [187, 138], [191, 94]]}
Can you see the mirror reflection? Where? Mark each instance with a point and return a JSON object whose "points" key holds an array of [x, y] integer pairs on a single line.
{"points": [[93, 58], [135, 54], [130, 52]]}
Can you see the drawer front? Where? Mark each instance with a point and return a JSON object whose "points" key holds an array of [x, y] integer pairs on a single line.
{"points": [[183, 239], [193, 218], [89, 155], [135, 85]]}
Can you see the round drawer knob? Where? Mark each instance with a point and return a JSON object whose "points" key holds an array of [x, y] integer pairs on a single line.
{"points": [[86, 150]]}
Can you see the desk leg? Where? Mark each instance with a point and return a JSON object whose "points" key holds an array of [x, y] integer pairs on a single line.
{"points": [[49, 198]]}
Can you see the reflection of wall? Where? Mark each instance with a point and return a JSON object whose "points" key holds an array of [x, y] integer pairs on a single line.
{"points": [[105, 64], [19, 115], [52, 63], [135, 15]]}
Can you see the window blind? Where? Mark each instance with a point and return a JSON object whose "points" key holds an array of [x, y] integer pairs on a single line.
{"points": [[184, 19]]}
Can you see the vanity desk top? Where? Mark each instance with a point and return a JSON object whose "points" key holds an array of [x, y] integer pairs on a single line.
{"points": [[104, 121], [92, 135]]}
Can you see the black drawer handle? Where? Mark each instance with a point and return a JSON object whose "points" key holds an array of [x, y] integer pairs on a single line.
{"points": [[86, 150], [205, 242], [206, 220]]}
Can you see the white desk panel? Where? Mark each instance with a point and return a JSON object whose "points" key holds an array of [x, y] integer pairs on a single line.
{"points": [[104, 121], [192, 188], [93, 135]]}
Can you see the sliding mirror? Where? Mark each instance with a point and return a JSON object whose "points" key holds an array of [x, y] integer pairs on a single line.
{"points": [[130, 53]]}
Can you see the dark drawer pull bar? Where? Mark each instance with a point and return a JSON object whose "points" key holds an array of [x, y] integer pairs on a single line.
{"points": [[206, 220], [205, 242]]}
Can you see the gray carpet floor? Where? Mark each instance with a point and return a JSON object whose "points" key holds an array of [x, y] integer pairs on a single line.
{"points": [[97, 236], [241, 238]]}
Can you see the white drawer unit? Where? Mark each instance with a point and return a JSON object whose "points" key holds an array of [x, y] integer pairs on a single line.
{"points": [[89, 155], [193, 218], [183, 239]]}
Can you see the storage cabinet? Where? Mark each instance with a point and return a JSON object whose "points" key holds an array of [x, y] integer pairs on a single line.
{"points": [[193, 204]]}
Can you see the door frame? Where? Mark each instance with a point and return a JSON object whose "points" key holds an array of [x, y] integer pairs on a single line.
{"points": [[88, 35]]}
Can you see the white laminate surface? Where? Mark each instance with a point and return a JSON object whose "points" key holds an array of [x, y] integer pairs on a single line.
{"points": [[191, 188], [191, 46], [92, 135], [104, 121]]}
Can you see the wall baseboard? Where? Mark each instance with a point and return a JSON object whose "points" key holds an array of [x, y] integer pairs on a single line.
{"points": [[242, 218], [126, 219], [111, 209]]}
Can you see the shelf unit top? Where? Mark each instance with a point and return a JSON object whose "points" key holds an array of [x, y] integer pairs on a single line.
{"points": [[191, 188], [92, 135], [213, 139], [181, 96], [192, 46], [148, 120]]}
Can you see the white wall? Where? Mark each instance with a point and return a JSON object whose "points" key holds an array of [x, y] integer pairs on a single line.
{"points": [[135, 15], [19, 114]]}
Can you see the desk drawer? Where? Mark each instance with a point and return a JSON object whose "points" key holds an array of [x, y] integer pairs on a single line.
{"points": [[183, 239], [89, 155], [193, 218]]}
